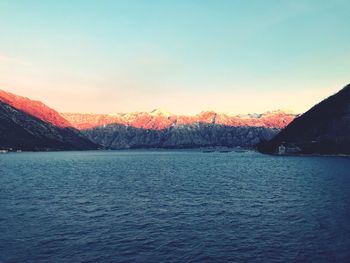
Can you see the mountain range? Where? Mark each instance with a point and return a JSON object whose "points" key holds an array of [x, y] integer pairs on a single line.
{"points": [[160, 129], [116, 136], [31, 125], [159, 119]]}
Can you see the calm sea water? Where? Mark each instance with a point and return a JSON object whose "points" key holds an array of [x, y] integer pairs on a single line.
{"points": [[173, 206]]}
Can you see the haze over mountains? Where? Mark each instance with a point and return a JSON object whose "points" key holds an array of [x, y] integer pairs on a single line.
{"points": [[131, 130]]}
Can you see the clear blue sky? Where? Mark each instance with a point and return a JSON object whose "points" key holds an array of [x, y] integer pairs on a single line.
{"points": [[182, 55]]}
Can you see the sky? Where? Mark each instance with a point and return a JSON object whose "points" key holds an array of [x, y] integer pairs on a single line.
{"points": [[183, 56]]}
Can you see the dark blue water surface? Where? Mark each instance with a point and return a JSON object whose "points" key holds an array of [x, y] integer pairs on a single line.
{"points": [[173, 206]]}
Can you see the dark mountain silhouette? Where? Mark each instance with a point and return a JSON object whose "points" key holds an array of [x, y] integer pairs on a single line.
{"points": [[324, 129], [22, 131], [116, 136]]}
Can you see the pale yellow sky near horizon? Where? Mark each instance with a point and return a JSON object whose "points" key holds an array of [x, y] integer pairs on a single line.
{"points": [[233, 102], [85, 94]]}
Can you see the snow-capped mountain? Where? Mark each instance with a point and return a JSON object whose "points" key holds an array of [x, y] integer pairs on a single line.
{"points": [[159, 119]]}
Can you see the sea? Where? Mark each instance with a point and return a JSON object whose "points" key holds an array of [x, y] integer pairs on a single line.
{"points": [[173, 206]]}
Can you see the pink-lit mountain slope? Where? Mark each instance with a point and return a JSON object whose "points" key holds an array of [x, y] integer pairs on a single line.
{"points": [[34, 108], [158, 120]]}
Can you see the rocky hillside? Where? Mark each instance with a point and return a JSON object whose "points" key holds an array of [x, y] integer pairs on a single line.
{"points": [[158, 120], [159, 129], [118, 136], [22, 131], [324, 129], [34, 108]]}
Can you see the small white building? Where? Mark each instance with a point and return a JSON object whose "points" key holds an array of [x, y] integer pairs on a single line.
{"points": [[281, 150]]}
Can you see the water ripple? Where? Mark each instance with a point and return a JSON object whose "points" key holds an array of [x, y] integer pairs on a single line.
{"points": [[173, 206]]}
